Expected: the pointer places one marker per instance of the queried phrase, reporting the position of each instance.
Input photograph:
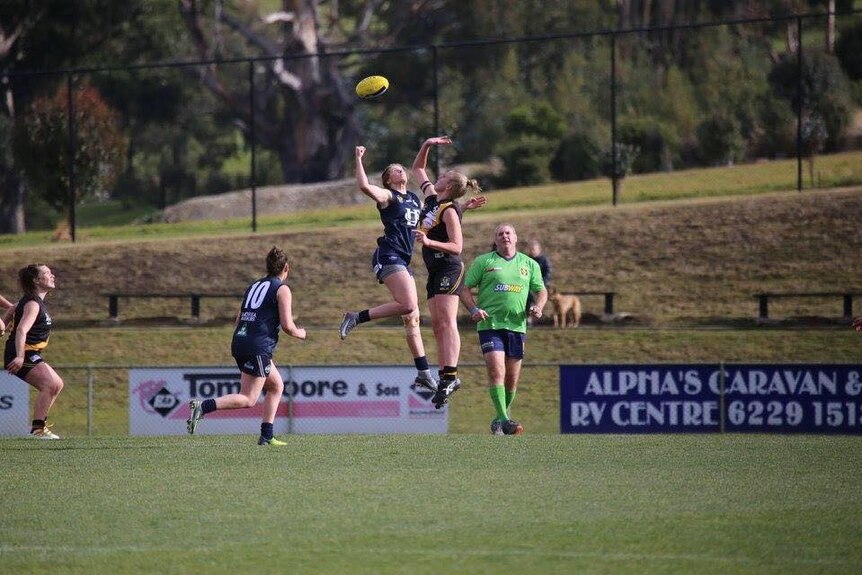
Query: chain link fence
(153, 400)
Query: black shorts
(447, 279)
(31, 360)
(256, 365)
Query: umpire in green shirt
(503, 279)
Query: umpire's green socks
(498, 398)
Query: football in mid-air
(372, 87)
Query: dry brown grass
(686, 262)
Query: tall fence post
(614, 182)
(722, 376)
(70, 163)
(289, 399)
(799, 89)
(89, 400)
(436, 65)
(251, 137)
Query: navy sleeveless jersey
(257, 330)
(434, 227)
(37, 337)
(399, 220)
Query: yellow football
(372, 87)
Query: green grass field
(432, 504)
(685, 253)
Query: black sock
(266, 430)
(363, 317)
(208, 406)
(37, 424)
(449, 372)
(421, 363)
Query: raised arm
(376, 193)
(421, 162)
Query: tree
(302, 108)
(41, 146)
(532, 134)
(825, 90)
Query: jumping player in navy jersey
(30, 327)
(267, 305)
(439, 232)
(399, 212)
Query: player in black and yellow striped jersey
(439, 232)
(30, 329)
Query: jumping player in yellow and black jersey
(439, 232)
(30, 328)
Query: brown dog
(564, 305)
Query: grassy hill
(684, 262)
(685, 269)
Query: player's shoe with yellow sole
(195, 415)
(271, 441)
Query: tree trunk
(830, 27)
(13, 193)
(317, 126)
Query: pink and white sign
(316, 399)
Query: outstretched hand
(439, 141)
(475, 202)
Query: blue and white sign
(637, 399)
(793, 398)
(699, 398)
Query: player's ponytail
(27, 278)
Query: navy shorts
(445, 280)
(509, 342)
(256, 365)
(384, 265)
(31, 360)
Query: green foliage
(577, 158)
(825, 90)
(532, 134)
(848, 49)
(720, 137)
(42, 146)
(657, 142)
(777, 120)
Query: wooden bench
(609, 298)
(195, 298)
(763, 300)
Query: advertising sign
(638, 399)
(14, 405)
(328, 399)
(697, 398)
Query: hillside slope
(686, 262)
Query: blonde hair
(459, 184)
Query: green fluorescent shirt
(503, 285)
